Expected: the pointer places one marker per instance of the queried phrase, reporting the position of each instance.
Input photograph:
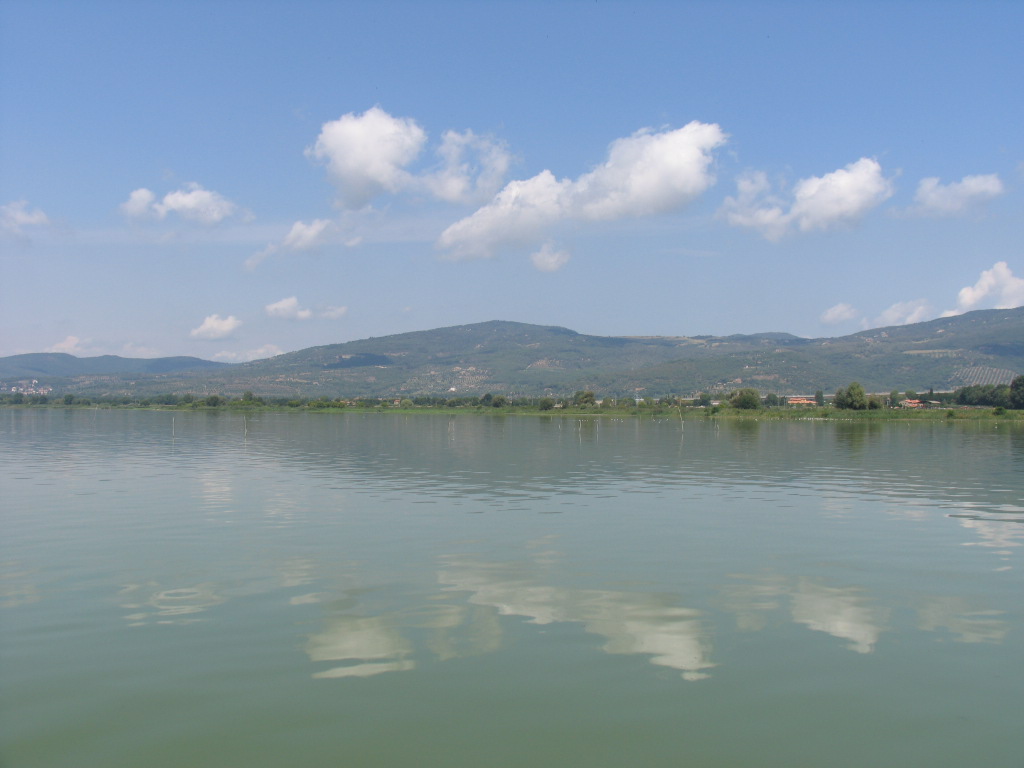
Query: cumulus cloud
(192, 202)
(647, 173)
(997, 288)
(216, 327)
(15, 217)
(473, 168)
(368, 154)
(756, 207)
(288, 309)
(140, 204)
(301, 237)
(840, 313)
(518, 214)
(547, 259)
(334, 313)
(904, 313)
(949, 199)
(267, 350)
(818, 202)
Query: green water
(203, 589)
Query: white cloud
(649, 173)
(216, 327)
(996, 288)
(472, 170)
(754, 206)
(304, 236)
(547, 259)
(840, 313)
(368, 154)
(72, 345)
(645, 174)
(334, 313)
(197, 204)
(301, 237)
(904, 313)
(288, 309)
(818, 202)
(517, 214)
(132, 349)
(267, 350)
(16, 216)
(139, 204)
(192, 202)
(843, 195)
(957, 196)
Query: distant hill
(980, 347)
(59, 364)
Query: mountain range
(981, 347)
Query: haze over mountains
(982, 347)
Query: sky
(232, 180)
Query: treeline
(852, 397)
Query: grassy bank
(826, 413)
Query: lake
(213, 589)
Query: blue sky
(235, 179)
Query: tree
(583, 398)
(819, 398)
(839, 400)
(546, 404)
(747, 399)
(852, 398)
(858, 399)
(771, 400)
(1017, 393)
(894, 398)
(499, 401)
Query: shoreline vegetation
(682, 413)
(1004, 402)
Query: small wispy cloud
(301, 237)
(334, 313)
(288, 309)
(936, 199)
(215, 327)
(843, 196)
(904, 313)
(71, 345)
(840, 313)
(192, 202)
(16, 217)
(261, 353)
(548, 259)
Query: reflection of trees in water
(853, 436)
(1017, 444)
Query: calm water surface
(208, 589)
